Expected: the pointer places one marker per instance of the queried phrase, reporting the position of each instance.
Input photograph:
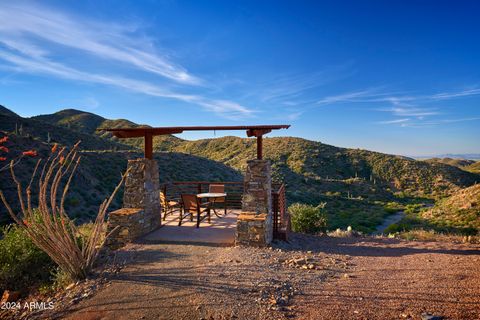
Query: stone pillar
(142, 191)
(257, 195)
(255, 225)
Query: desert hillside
(360, 187)
(475, 167)
(460, 163)
(295, 159)
(461, 210)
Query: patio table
(212, 196)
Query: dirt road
(310, 278)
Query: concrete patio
(220, 232)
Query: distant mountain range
(466, 165)
(466, 156)
(314, 172)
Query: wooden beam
(148, 145)
(260, 147)
(257, 132)
(140, 131)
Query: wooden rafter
(148, 133)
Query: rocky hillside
(41, 131)
(89, 123)
(475, 167)
(356, 184)
(103, 160)
(82, 121)
(100, 171)
(464, 164)
(305, 163)
(460, 163)
(459, 211)
(310, 165)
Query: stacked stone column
(254, 225)
(141, 212)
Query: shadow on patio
(220, 232)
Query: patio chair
(191, 205)
(169, 206)
(219, 188)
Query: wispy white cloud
(9, 77)
(410, 111)
(294, 87)
(288, 95)
(417, 123)
(226, 108)
(440, 121)
(22, 25)
(394, 121)
(354, 96)
(450, 95)
(294, 115)
(397, 99)
(28, 32)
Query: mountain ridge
(296, 159)
(356, 184)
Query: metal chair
(219, 188)
(191, 205)
(169, 206)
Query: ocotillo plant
(48, 225)
(4, 150)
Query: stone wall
(254, 225)
(254, 229)
(141, 212)
(129, 224)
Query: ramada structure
(263, 215)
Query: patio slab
(220, 232)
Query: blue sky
(399, 77)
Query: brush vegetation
(358, 186)
(456, 214)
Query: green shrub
(393, 207)
(308, 219)
(413, 208)
(22, 264)
(61, 279)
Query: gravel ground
(308, 278)
(395, 279)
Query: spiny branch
(48, 226)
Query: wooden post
(259, 147)
(148, 145)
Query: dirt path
(349, 278)
(391, 219)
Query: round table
(213, 196)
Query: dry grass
(432, 235)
